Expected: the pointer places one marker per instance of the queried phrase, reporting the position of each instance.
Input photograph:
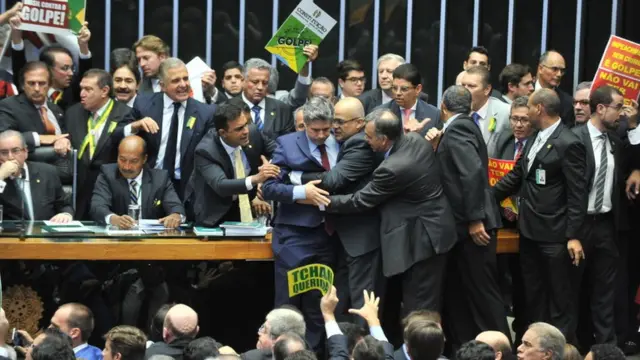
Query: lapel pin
(549, 146)
(249, 146)
(273, 113)
(38, 181)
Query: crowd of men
(390, 191)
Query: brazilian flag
(75, 14)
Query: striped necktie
(602, 175)
(133, 192)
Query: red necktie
(323, 156)
(519, 146)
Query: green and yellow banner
(310, 277)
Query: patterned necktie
(133, 192)
(476, 118)
(169, 162)
(55, 96)
(602, 174)
(48, 125)
(256, 116)
(243, 199)
(519, 146)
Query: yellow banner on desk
(310, 277)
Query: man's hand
(368, 311)
(209, 82)
(62, 218)
(27, 340)
(84, 35)
(122, 222)
(633, 185)
(328, 304)
(9, 168)
(316, 195)
(433, 136)
(259, 192)
(172, 221)
(413, 125)
(575, 251)
(631, 112)
(51, 139)
(260, 207)
(146, 124)
(311, 52)
(62, 146)
(478, 234)
(266, 172)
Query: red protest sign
(620, 68)
(498, 169)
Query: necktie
(133, 192)
(324, 157)
(56, 96)
(256, 116)
(243, 199)
(170, 151)
(28, 209)
(476, 118)
(48, 125)
(602, 174)
(519, 146)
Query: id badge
(541, 177)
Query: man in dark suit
(551, 69)
(550, 178)
(301, 233)
(272, 117)
(232, 81)
(172, 123)
(415, 114)
(92, 125)
(230, 164)
(131, 182)
(32, 189)
(417, 228)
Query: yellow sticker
(38, 181)
(157, 202)
(273, 113)
(549, 146)
(112, 126)
(310, 277)
(191, 122)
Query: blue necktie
(256, 116)
(476, 118)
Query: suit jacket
(257, 354)
(152, 106)
(338, 348)
(47, 196)
(111, 194)
(18, 113)
(417, 221)
(554, 211)
(567, 114)
(278, 117)
(356, 161)
(213, 182)
(423, 110)
(618, 197)
(371, 99)
(462, 154)
(146, 86)
(106, 150)
(501, 112)
(505, 146)
(175, 349)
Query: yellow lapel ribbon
(89, 139)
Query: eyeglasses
(341, 122)
(556, 69)
(518, 119)
(66, 68)
(402, 89)
(357, 79)
(581, 102)
(14, 152)
(617, 107)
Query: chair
(67, 168)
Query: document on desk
(57, 224)
(232, 228)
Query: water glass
(134, 212)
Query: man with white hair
(180, 327)
(542, 341)
(278, 322)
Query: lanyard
(89, 139)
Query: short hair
(346, 66)
(421, 315)
(256, 63)
(457, 99)
(281, 348)
(549, 99)
(302, 355)
(152, 43)
(475, 350)
(390, 56)
(201, 348)
(55, 346)
(317, 109)
(408, 72)
(285, 320)
(480, 50)
(120, 57)
(274, 80)
(386, 123)
(33, 66)
(80, 317)
(602, 95)
(520, 101)
(607, 352)
(103, 77)
(551, 339)
(128, 341)
(133, 69)
(225, 113)
(571, 353)
(353, 332)
(424, 339)
(231, 65)
(583, 85)
(322, 80)
(485, 75)
(47, 54)
(157, 323)
(168, 64)
(512, 74)
(545, 55)
(368, 349)
(11, 133)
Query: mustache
(123, 91)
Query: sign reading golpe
(59, 17)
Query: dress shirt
(507, 99)
(413, 112)
(540, 140)
(446, 124)
(155, 84)
(52, 118)
(634, 136)
(332, 147)
(483, 121)
(262, 104)
(332, 329)
(79, 347)
(386, 98)
(597, 144)
(538, 86)
(98, 131)
(138, 180)
(247, 169)
(133, 100)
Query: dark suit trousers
(474, 302)
(545, 271)
(595, 281)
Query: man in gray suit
(490, 114)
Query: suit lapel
(32, 113)
(253, 157)
(104, 134)
(224, 157)
(591, 162)
(187, 127)
(547, 146)
(147, 195)
(377, 98)
(270, 114)
(303, 144)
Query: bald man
(180, 327)
(499, 342)
(132, 182)
(359, 257)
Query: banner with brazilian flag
(59, 17)
(307, 25)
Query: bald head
(133, 143)
(348, 119)
(498, 341)
(132, 155)
(181, 322)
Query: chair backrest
(67, 168)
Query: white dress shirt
(97, 132)
(262, 104)
(247, 169)
(597, 144)
(449, 122)
(138, 180)
(539, 142)
(386, 98)
(155, 84)
(133, 100)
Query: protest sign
(53, 16)
(307, 25)
(310, 277)
(196, 68)
(497, 170)
(620, 68)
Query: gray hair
(317, 108)
(457, 99)
(274, 79)
(386, 123)
(545, 56)
(168, 64)
(549, 99)
(390, 56)
(285, 320)
(583, 85)
(551, 339)
(520, 101)
(12, 133)
(256, 63)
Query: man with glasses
(551, 70)
(351, 78)
(30, 191)
(581, 108)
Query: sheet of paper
(196, 67)
(70, 223)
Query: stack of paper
(233, 228)
(205, 231)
